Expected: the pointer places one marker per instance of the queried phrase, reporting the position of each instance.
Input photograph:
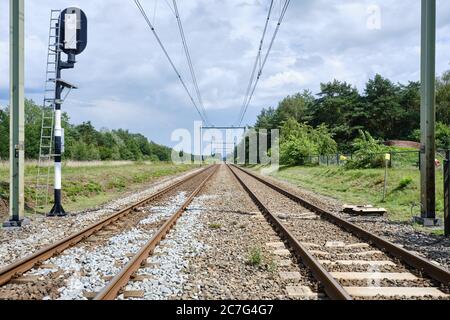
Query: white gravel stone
(42, 231)
(172, 256)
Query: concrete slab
(335, 244)
(366, 253)
(290, 275)
(300, 292)
(373, 276)
(284, 263)
(282, 252)
(391, 292)
(358, 246)
(276, 245)
(359, 262)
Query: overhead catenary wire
(277, 29)
(158, 39)
(189, 60)
(258, 59)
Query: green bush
(299, 141)
(255, 258)
(368, 152)
(405, 183)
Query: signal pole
(428, 114)
(17, 115)
(71, 40)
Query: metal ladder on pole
(48, 116)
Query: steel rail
(111, 291)
(436, 272)
(23, 265)
(332, 287)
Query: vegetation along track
(349, 262)
(117, 222)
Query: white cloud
(125, 80)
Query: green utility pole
(428, 114)
(17, 113)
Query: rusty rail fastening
(111, 291)
(23, 265)
(435, 272)
(332, 287)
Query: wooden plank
(25, 280)
(139, 294)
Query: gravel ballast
(43, 231)
(433, 247)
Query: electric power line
(258, 59)
(189, 60)
(158, 39)
(280, 20)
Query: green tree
(335, 108)
(267, 119)
(443, 135)
(4, 134)
(409, 98)
(443, 98)
(384, 112)
(296, 106)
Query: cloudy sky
(126, 82)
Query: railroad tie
(137, 294)
(290, 276)
(393, 292)
(301, 292)
(403, 276)
(359, 263)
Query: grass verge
(366, 187)
(92, 185)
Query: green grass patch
(365, 186)
(88, 186)
(215, 226)
(255, 257)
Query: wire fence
(398, 159)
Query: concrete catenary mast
(17, 114)
(428, 114)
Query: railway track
(111, 291)
(131, 214)
(348, 262)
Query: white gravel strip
(91, 266)
(18, 243)
(171, 258)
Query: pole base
(428, 222)
(16, 224)
(57, 211)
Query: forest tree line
(83, 142)
(387, 110)
(341, 119)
